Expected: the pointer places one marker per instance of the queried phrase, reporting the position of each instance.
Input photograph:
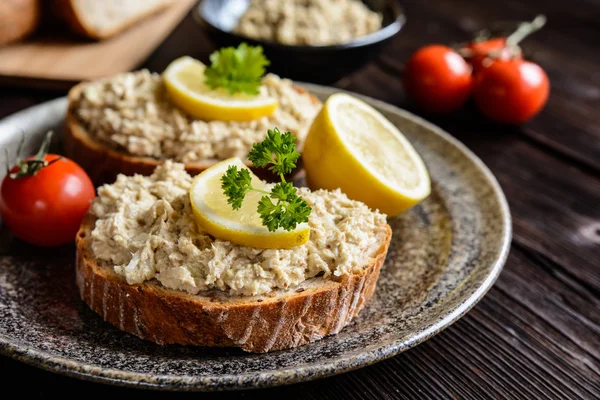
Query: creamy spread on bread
(132, 112)
(145, 229)
(308, 22)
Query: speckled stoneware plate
(445, 254)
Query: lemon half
(243, 226)
(184, 80)
(353, 147)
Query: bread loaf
(101, 19)
(18, 19)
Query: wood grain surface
(61, 58)
(536, 335)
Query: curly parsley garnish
(237, 70)
(281, 207)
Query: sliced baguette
(101, 19)
(317, 308)
(104, 163)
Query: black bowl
(319, 64)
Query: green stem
(45, 147)
(525, 29)
(35, 164)
(259, 190)
(7, 162)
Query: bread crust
(103, 163)
(18, 19)
(67, 12)
(213, 318)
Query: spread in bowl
(308, 22)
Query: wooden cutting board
(64, 61)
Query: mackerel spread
(132, 112)
(146, 230)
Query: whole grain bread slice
(287, 318)
(103, 163)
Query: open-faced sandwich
(193, 114)
(226, 259)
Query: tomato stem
(45, 147)
(33, 165)
(525, 29)
(511, 43)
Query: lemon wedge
(184, 80)
(353, 147)
(242, 226)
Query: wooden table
(537, 332)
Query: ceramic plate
(444, 255)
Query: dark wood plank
(187, 39)
(568, 124)
(548, 196)
(514, 345)
(536, 184)
(526, 339)
(16, 99)
(536, 335)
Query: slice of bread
(101, 19)
(317, 308)
(104, 163)
(18, 19)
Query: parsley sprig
(281, 207)
(237, 70)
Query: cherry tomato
(47, 208)
(482, 51)
(438, 79)
(512, 91)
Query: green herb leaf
(277, 149)
(237, 70)
(282, 207)
(269, 213)
(287, 212)
(235, 184)
(282, 215)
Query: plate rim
(64, 366)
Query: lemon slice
(242, 226)
(184, 80)
(353, 147)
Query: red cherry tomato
(512, 91)
(438, 79)
(47, 208)
(480, 51)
